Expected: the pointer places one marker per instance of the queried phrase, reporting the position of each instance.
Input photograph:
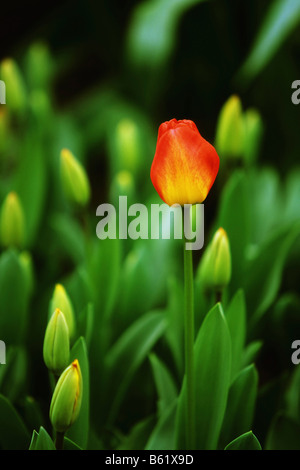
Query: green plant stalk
(189, 347)
(59, 440)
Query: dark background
(88, 37)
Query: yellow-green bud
(122, 185)
(230, 129)
(15, 88)
(12, 222)
(56, 349)
(74, 178)
(215, 268)
(66, 400)
(253, 134)
(128, 148)
(26, 263)
(62, 301)
(39, 66)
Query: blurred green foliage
(98, 79)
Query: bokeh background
(99, 78)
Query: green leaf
(13, 298)
(138, 435)
(32, 169)
(152, 31)
(104, 273)
(13, 377)
(41, 441)
(251, 352)
(175, 319)
(284, 434)
(69, 237)
(281, 19)
(247, 441)
(234, 217)
(13, 433)
(128, 353)
(70, 445)
(236, 320)
(265, 270)
(212, 365)
(166, 388)
(79, 431)
(163, 435)
(240, 405)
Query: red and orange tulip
(185, 165)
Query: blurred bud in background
(122, 185)
(253, 135)
(3, 129)
(74, 179)
(230, 129)
(56, 348)
(128, 145)
(215, 265)
(60, 300)
(26, 264)
(15, 87)
(67, 397)
(12, 222)
(38, 66)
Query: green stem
(189, 346)
(59, 440)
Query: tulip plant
(128, 344)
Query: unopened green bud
(4, 130)
(56, 349)
(66, 399)
(230, 129)
(128, 147)
(74, 178)
(62, 301)
(15, 88)
(122, 185)
(39, 66)
(215, 268)
(26, 264)
(12, 222)
(253, 135)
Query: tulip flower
(12, 222)
(185, 165)
(66, 400)
(61, 300)
(56, 348)
(230, 129)
(15, 87)
(215, 268)
(74, 178)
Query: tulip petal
(185, 165)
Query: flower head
(185, 165)
(56, 348)
(67, 396)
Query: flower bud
(74, 178)
(56, 349)
(230, 129)
(15, 88)
(127, 145)
(26, 264)
(215, 267)
(12, 222)
(66, 400)
(60, 300)
(253, 134)
(122, 185)
(39, 66)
